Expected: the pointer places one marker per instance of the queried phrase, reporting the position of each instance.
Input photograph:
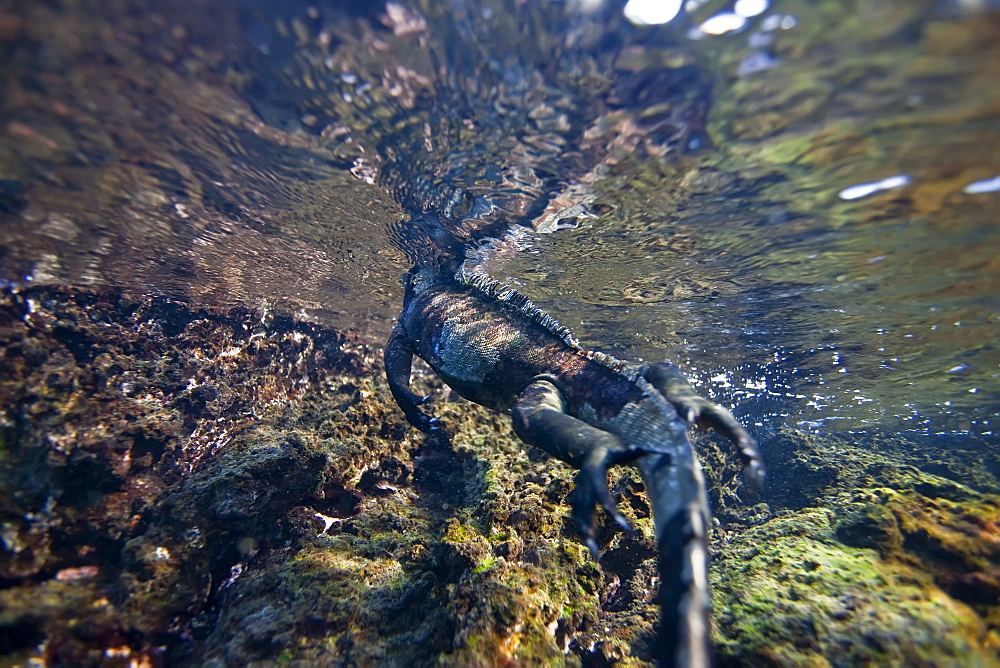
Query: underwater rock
(228, 486)
(789, 593)
(869, 560)
(224, 487)
(156, 447)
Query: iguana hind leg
(540, 419)
(671, 383)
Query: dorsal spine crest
(493, 289)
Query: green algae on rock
(788, 593)
(249, 493)
(868, 560)
(151, 449)
(241, 489)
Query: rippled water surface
(802, 211)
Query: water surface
(260, 160)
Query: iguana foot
(540, 419)
(592, 489)
(426, 423)
(696, 409)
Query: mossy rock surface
(789, 593)
(278, 509)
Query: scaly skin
(493, 347)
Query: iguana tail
(680, 514)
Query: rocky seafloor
(225, 487)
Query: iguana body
(493, 346)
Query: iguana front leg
(398, 364)
(671, 383)
(540, 419)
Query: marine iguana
(493, 346)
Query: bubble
(748, 8)
(651, 12)
(723, 23)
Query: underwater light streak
(980, 187)
(866, 189)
